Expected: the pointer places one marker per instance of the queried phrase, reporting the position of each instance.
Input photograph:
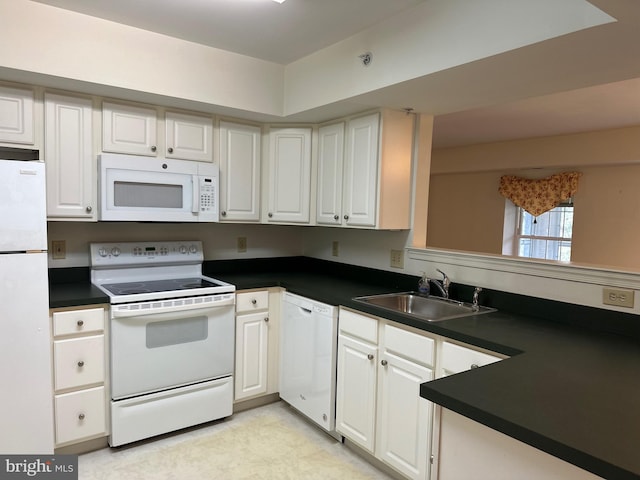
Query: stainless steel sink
(430, 309)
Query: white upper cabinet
(134, 130)
(366, 184)
(129, 129)
(361, 171)
(289, 176)
(189, 137)
(239, 172)
(17, 115)
(330, 165)
(70, 162)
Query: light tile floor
(270, 442)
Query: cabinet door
(289, 175)
(404, 418)
(361, 171)
(80, 415)
(456, 359)
(189, 137)
(71, 165)
(239, 172)
(78, 362)
(129, 129)
(16, 115)
(252, 332)
(330, 164)
(356, 391)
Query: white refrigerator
(26, 405)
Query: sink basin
(430, 309)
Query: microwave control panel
(207, 194)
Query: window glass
(547, 236)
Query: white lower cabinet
(470, 450)
(79, 371)
(456, 359)
(378, 403)
(356, 390)
(80, 415)
(256, 344)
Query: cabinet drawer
(251, 301)
(78, 361)
(358, 325)
(80, 415)
(456, 359)
(409, 345)
(78, 321)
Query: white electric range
(171, 337)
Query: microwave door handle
(195, 194)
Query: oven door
(165, 347)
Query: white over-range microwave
(146, 189)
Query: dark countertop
(571, 392)
(76, 293)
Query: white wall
(434, 36)
(367, 248)
(59, 43)
(219, 239)
(54, 44)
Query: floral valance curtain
(537, 196)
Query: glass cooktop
(151, 286)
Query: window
(548, 236)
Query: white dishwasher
(308, 345)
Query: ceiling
(280, 33)
(283, 33)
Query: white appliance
(145, 189)
(172, 336)
(308, 346)
(26, 406)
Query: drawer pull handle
(266, 319)
(81, 416)
(81, 363)
(474, 365)
(80, 323)
(383, 363)
(370, 356)
(253, 301)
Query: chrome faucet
(443, 285)
(476, 306)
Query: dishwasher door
(308, 345)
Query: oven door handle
(125, 311)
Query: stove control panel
(145, 253)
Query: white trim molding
(579, 284)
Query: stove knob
(115, 251)
(102, 252)
(183, 249)
(193, 249)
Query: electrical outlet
(397, 259)
(618, 297)
(58, 249)
(335, 249)
(242, 244)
